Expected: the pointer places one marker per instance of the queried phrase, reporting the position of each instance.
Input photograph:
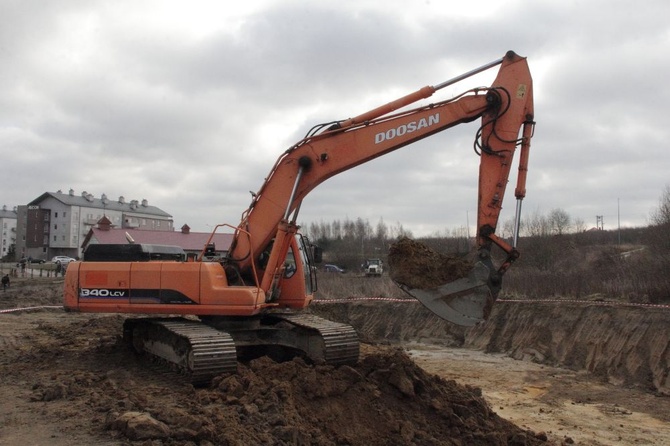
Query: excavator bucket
(465, 301)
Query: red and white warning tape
(13, 310)
(355, 299)
(521, 301)
(604, 303)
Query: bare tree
(578, 225)
(337, 229)
(535, 225)
(362, 229)
(506, 230)
(381, 232)
(661, 215)
(398, 231)
(559, 221)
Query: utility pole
(618, 217)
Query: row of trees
(346, 240)
(358, 229)
(555, 222)
(560, 257)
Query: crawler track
(203, 350)
(340, 341)
(189, 347)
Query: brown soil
(67, 379)
(417, 266)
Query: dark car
(36, 261)
(333, 269)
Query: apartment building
(56, 223)
(8, 221)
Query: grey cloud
(183, 119)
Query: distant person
(5, 282)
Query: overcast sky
(189, 104)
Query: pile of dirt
(385, 399)
(75, 372)
(82, 371)
(415, 265)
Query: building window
(56, 226)
(64, 214)
(55, 238)
(55, 214)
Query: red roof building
(190, 242)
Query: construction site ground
(536, 373)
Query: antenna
(599, 222)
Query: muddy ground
(67, 379)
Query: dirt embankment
(626, 345)
(392, 322)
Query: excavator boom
(505, 109)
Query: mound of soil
(386, 399)
(415, 265)
(74, 374)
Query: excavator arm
(267, 227)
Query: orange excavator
(248, 303)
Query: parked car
(332, 269)
(36, 261)
(62, 260)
